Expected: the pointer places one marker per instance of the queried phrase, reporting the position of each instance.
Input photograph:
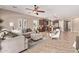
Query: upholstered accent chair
(55, 35)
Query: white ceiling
(51, 10)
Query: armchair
(56, 34)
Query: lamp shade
(11, 24)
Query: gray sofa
(14, 44)
(36, 36)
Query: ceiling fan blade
(41, 11)
(28, 9)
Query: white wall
(9, 16)
(75, 25)
(61, 25)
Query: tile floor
(47, 45)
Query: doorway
(43, 25)
(66, 26)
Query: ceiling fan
(35, 10)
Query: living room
(35, 28)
